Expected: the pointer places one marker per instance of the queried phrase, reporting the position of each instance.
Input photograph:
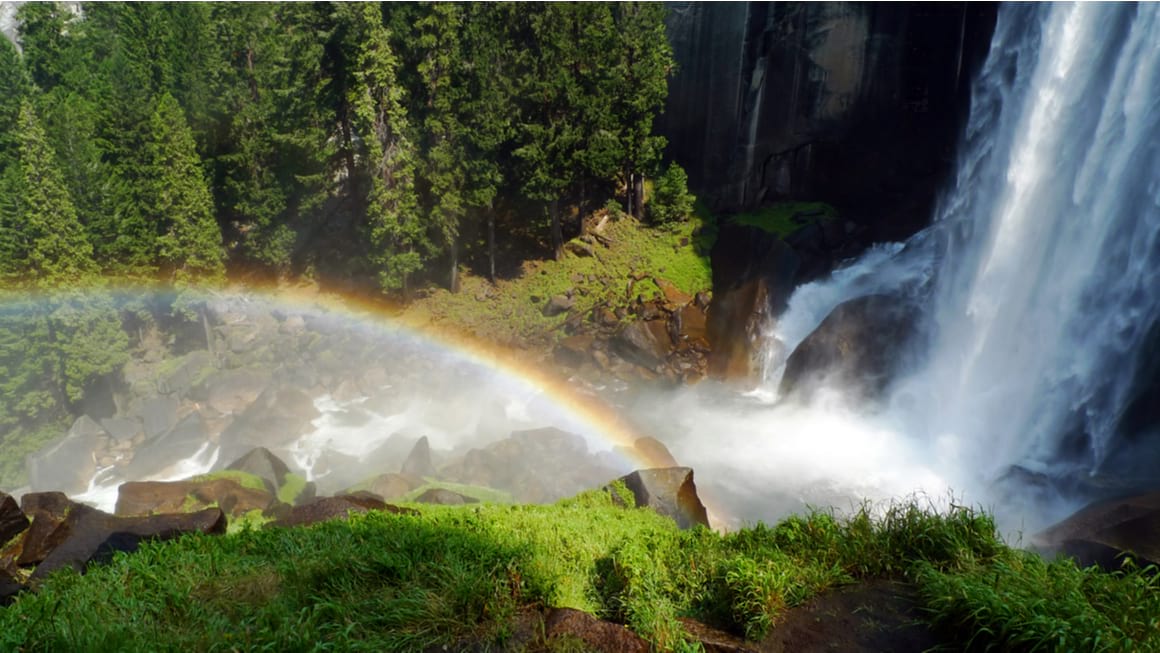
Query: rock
(68, 464)
(50, 527)
(265, 465)
(1101, 532)
(276, 418)
(597, 635)
(94, 536)
(12, 520)
(558, 304)
(159, 415)
(122, 429)
(10, 586)
(328, 508)
(161, 452)
(442, 497)
(691, 327)
(859, 345)
(186, 372)
(669, 491)
(153, 497)
(579, 248)
(654, 451)
(232, 391)
(673, 296)
(715, 641)
(391, 486)
(644, 343)
(418, 462)
(54, 503)
(574, 350)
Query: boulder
(94, 536)
(690, 325)
(265, 465)
(276, 418)
(644, 343)
(596, 634)
(49, 528)
(153, 497)
(859, 346)
(10, 586)
(442, 497)
(68, 464)
(123, 429)
(54, 503)
(160, 453)
(575, 350)
(654, 452)
(158, 415)
(12, 519)
(391, 486)
(1100, 533)
(716, 641)
(669, 491)
(232, 391)
(558, 304)
(418, 462)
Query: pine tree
(177, 200)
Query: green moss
(244, 479)
(292, 486)
(251, 520)
(778, 219)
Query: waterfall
(1039, 280)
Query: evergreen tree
(177, 200)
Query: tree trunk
(557, 230)
(491, 245)
(628, 191)
(638, 195)
(454, 265)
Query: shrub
(671, 200)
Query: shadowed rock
(669, 491)
(265, 465)
(1100, 533)
(10, 586)
(94, 536)
(597, 635)
(67, 464)
(442, 497)
(418, 462)
(654, 451)
(12, 520)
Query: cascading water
(1039, 280)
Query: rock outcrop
(1103, 532)
(670, 492)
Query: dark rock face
(418, 462)
(858, 104)
(597, 635)
(12, 519)
(94, 536)
(1101, 532)
(669, 491)
(859, 346)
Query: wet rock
(261, 462)
(859, 346)
(232, 391)
(94, 536)
(575, 350)
(10, 586)
(669, 491)
(276, 418)
(1100, 533)
(558, 304)
(68, 463)
(673, 296)
(597, 635)
(122, 429)
(418, 462)
(12, 519)
(51, 525)
(442, 497)
(654, 451)
(158, 454)
(54, 503)
(691, 327)
(159, 415)
(644, 343)
(153, 497)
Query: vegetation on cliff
(461, 576)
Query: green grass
(511, 311)
(244, 479)
(292, 486)
(455, 574)
(778, 219)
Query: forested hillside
(387, 143)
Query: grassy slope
(510, 312)
(396, 582)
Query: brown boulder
(154, 497)
(575, 350)
(261, 462)
(50, 514)
(655, 452)
(442, 497)
(418, 462)
(690, 326)
(10, 586)
(328, 508)
(859, 345)
(94, 536)
(1100, 533)
(669, 491)
(12, 520)
(597, 635)
(715, 641)
(674, 296)
(391, 486)
(644, 343)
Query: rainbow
(579, 413)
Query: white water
(1045, 261)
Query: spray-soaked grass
(451, 575)
(779, 219)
